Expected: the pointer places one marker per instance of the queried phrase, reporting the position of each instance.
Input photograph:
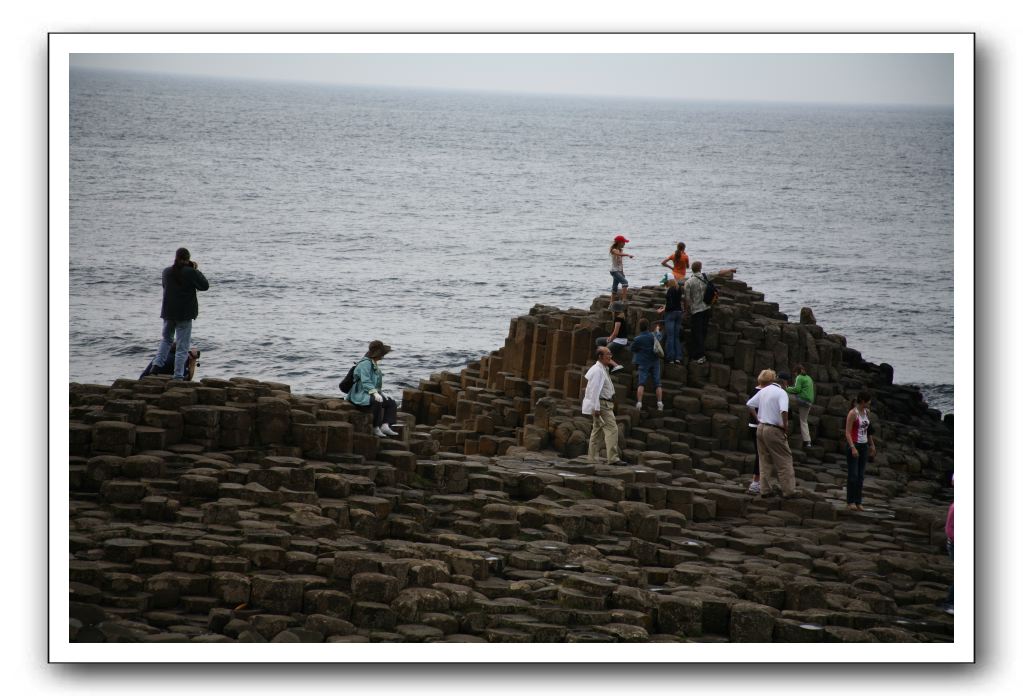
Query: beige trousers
(604, 428)
(775, 460)
(804, 424)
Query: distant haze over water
(325, 217)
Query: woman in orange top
(679, 262)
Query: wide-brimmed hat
(377, 350)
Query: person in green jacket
(803, 391)
(367, 393)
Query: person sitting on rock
(619, 336)
(366, 393)
(648, 363)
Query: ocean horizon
(327, 216)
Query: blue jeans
(646, 370)
(673, 327)
(618, 278)
(951, 585)
(856, 462)
(181, 330)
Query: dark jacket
(643, 347)
(179, 300)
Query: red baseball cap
(620, 238)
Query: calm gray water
(325, 217)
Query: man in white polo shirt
(598, 402)
(770, 405)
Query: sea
(327, 216)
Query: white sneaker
(379, 433)
(660, 405)
(754, 488)
(617, 368)
(387, 429)
(639, 405)
(701, 361)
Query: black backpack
(345, 384)
(710, 292)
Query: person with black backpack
(365, 391)
(700, 296)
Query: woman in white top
(859, 443)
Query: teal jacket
(366, 380)
(803, 388)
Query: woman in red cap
(617, 269)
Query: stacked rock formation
(232, 510)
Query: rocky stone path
(211, 543)
(233, 510)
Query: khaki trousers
(604, 428)
(804, 424)
(775, 460)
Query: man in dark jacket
(180, 306)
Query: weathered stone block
(113, 437)
(273, 418)
(679, 616)
(232, 589)
(373, 615)
(751, 623)
(263, 556)
(277, 593)
(374, 587)
(329, 602)
(120, 491)
(329, 625)
(412, 603)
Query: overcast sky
(857, 78)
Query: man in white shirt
(770, 405)
(597, 402)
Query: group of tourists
(769, 405)
(661, 342)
